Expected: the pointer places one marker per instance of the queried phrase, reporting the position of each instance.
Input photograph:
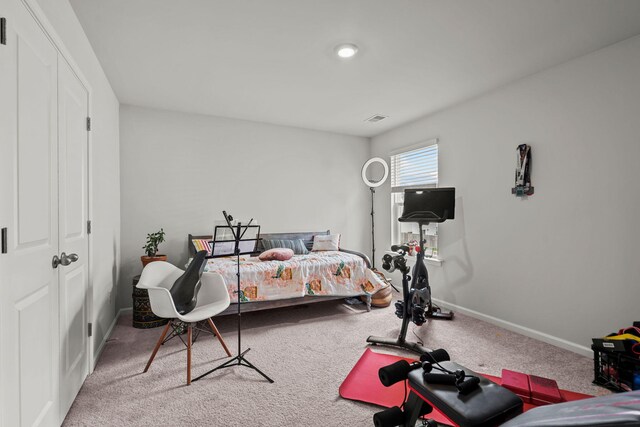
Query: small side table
(143, 317)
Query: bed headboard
(306, 237)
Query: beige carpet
(308, 351)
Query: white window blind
(415, 168)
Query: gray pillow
(297, 245)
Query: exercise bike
(422, 206)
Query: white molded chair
(213, 298)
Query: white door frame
(34, 8)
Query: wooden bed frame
(307, 238)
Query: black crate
(614, 369)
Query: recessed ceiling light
(346, 50)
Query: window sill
(434, 260)
(429, 260)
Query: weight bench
(487, 405)
(490, 405)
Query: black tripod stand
(238, 360)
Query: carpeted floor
(308, 351)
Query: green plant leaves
(153, 240)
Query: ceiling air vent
(376, 118)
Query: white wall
(179, 171)
(104, 173)
(563, 262)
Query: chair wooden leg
(189, 337)
(217, 333)
(158, 344)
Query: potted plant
(151, 248)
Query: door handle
(68, 259)
(64, 259)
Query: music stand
(228, 240)
(224, 241)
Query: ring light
(374, 184)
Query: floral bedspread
(318, 274)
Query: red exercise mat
(362, 384)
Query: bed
(304, 279)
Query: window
(411, 169)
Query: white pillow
(326, 242)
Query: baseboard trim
(532, 333)
(107, 335)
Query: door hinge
(88, 227)
(88, 123)
(3, 31)
(90, 329)
(3, 246)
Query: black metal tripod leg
(257, 370)
(224, 365)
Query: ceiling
(273, 61)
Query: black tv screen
(428, 204)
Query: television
(424, 205)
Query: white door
(29, 295)
(6, 86)
(73, 278)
